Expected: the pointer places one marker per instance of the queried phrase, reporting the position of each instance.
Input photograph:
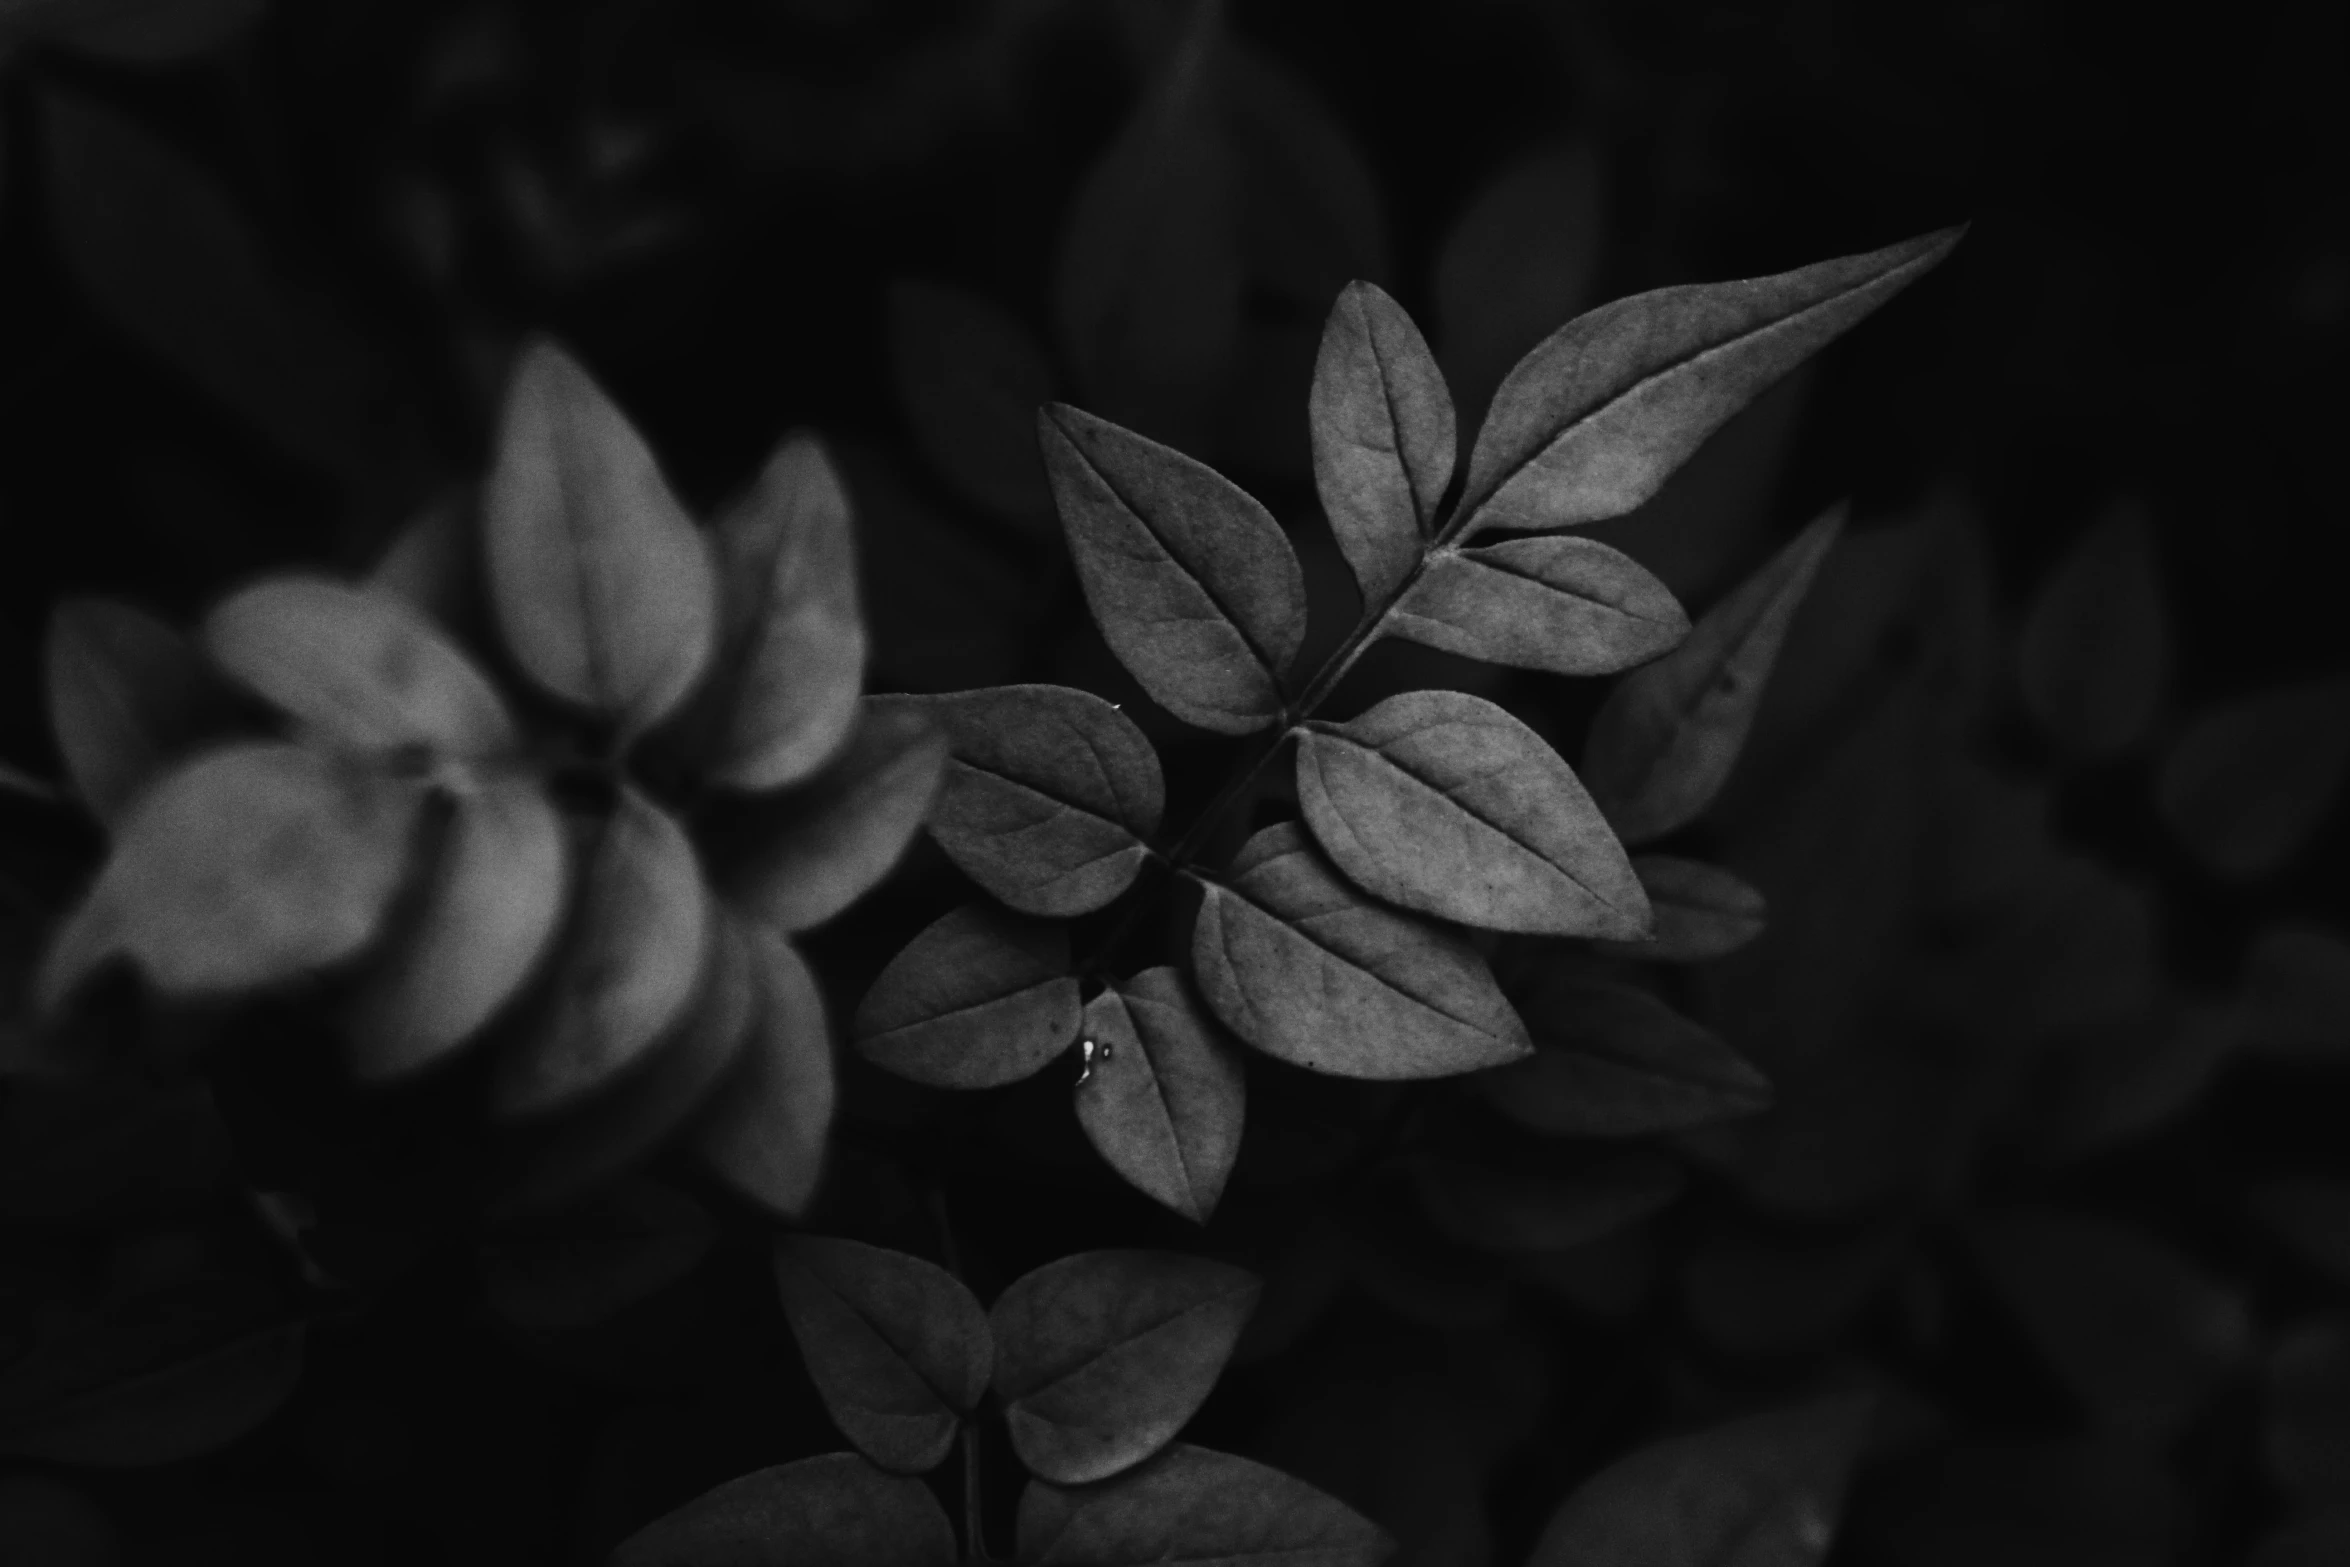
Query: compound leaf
(127, 696)
(979, 999)
(971, 379)
(1498, 1210)
(1568, 606)
(1162, 1099)
(1702, 911)
(597, 1259)
(1383, 437)
(765, 1129)
(1614, 1061)
(2093, 653)
(2248, 783)
(1190, 1504)
(833, 1511)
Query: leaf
(833, 1511)
(1303, 967)
(781, 698)
(1761, 1491)
(603, 587)
(2094, 651)
(1193, 583)
(2313, 1219)
(1102, 1357)
(2297, 984)
(1442, 802)
(632, 962)
(808, 854)
(897, 1346)
(360, 669)
(971, 379)
(192, 1405)
(1613, 1061)
(1517, 262)
(2042, 1503)
(127, 697)
(594, 1261)
(1309, 204)
(979, 999)
(1596, 416)
(1383, 438)
(140, 32)
(247, 866)
(490, 915)
(1758, 1296)
(1664, 742)
(1567, 606)
(1050, 794)
(948, 610)
(1702, 911)
(1190, 1504)
(1162, 1099)
(767, 1126)
(104, 1147)
(2247, 784)
(1496, 1210)
(2307, 1426)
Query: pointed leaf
(1702, 911)
(1191, 1504)
(194, 1404)
(631, 964)
(971, 379)
(2095, 647)
(597, 1259)
(1496, 1210)
(833, 1511)
(1383, 438)
(2249, 783)
(897, 1346)
(1663, 744)
(1102, 1357)
(1049, 795)
(1567, 606)
(1193, 583)
(1613, 1061)
(977, 1000)
(603, 587)
(768, 1125)
(127, 696)
(1302, 966)
(490, 915)
(1596, 416)
(808, 854)
(363, 670)
(1162, 1099)
(1517, 263)
(1442, 802)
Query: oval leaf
(977, 1000)
(602, 584)
(1190, 1504)
(971, 379)
(1518, 262)
(1664, 742)
(363, 670)
(1102, 1357)
(897, 1346)
(631, 964)
(1302, 966)
(1567, 606)
(595, 1260)
(1597, 415)
(2095, 646)
(1193, 583)
(1702, 911)
(1612, 1061)
(2249, 783)
(1383, 438)
(1496, 1210)
(1162, 1099)
(768, 1124)
(833, 1511)
(1049, 794)
(1442, 802)
(127, 696)
(188, 1407)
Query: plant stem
(974, 1523)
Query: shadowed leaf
(1516, 263)
(2297, 984)
(127, 697)
(2248, 784)
(977, 1000)
(1162, 1099)
(971, 379)
(2313, 1218)
(1193, 1505)
(834, 1511)
(1614, 1061)
(1496, 1210)
(1383, 438)
(1309, 206)
(103, 1147)
(597, 1259)
(138, 32)
(1702, 911)
(162, 1414)
(766, 1127)
(2306, 1412)
(2094, 649)
(1568, 606)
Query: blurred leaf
(1496, 1210)
(2067, 1503)
(2138, 1333)
(247, 866)
(434, 562)
(2306, 1430)
(1663, 744)
(1569, 606)
(766, 1127)
(1614, 1061)
(2094, 650)
(1163, 1099)
(2297, 986)
(781, 697)
(107, 1147)
(2317, 1541)
(1190, 1504)
(2313, 1218)
(1383, 438)
(1050, 794)
(137, 32)
(596, 1259)
(1762, 1491)
(971, 379)
(1309, 215)
(833, 1511)
(362, 670)
(45, 1522)
(630, 965)
(1192, 582)
(604, 588)
(896, 1345)
(2248, 784)
(1442, 802)
(1517, 263)
(1303, 967)
(1589, 424)
(977, 1000)
(1423, 1278)
(1102, 1357)
(490, 915)
(810, 853)
(1753, 1296)
(1702, 911)
(1991, 845)
(127, 697)
(2125, 1079)
(947, 612)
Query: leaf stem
(974, 1530)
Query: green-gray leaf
(1702, 911)
(1383, 437)
(1162, 1099)
(127, 696)
(1568, 606)
(766, 1127)
(979, 999)
(1193, 1505)
(1613, 1061)
(1497, 1210)
(833, 1511)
